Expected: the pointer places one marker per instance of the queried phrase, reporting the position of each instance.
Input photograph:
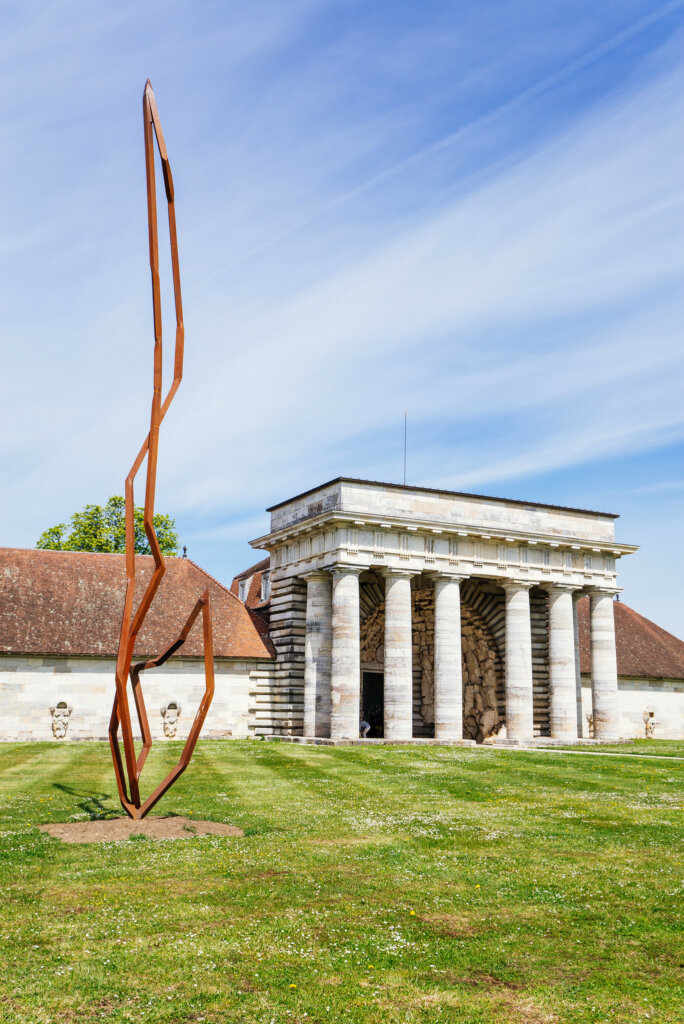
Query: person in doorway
(364, 729)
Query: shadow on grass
(96, 805)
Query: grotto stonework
(483, 695)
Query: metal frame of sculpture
(129, 768)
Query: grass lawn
(661, 748)
(372, 885)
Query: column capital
(603, 591)
(342, 569)
(315, 574)
(560, 587)
(511, 584)
(443, 574)
(390, 573)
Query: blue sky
(470, 210)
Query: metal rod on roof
(404, 447)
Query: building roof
(440, 490)
(254, 575)
(71, 603)
(644, 650)
(258, 567)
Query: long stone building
(429, 614)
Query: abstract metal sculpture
(128, 770)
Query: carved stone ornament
(61, 713)
(649, 723)
(170, 713)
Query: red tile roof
(644, 650)
(71, 602)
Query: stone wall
(665, 697)
(30, 686)
(277, 705)
(483, 620)
(482, 667)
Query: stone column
(448, 692)
(317, 654)
(562, 678)
(604, 682)
(519, 698)
(578, 670)
(345, 674)
(398, 656)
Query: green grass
(387, 884)
(667, 748)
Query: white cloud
(521, 297)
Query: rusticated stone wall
(483, 694)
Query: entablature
(380, 541)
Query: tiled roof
(71, 602)
(644, 650)
(254, 575)
(257, 567)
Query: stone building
(434, 613)
(429, 613)
(60, 617)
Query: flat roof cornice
(441, 490)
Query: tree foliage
(103, 528)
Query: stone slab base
(546, 741)
(324, 741)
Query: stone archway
(482, 668)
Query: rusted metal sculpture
(129, 768)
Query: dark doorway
(373, 703)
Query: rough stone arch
(483, 693)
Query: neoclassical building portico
(441, 614)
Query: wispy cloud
(475, 216)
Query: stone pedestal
(345, 675)
(604, 681)
(519, 697)
(317, 654)
(562, 678)
(398, 656)
(448, 671)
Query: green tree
(103, 528)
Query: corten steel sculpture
(129, 768)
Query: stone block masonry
(31, 685)
(279, 708)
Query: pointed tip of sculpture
(148, 87)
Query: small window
(524, 555)
(404, 543)
(265, 586)
(453, 548)
(568, 560)
(479, 550)
(609, 563)
(502, 552)
(429, 545)
(587, 562)
(546, 557)
(243, 590)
